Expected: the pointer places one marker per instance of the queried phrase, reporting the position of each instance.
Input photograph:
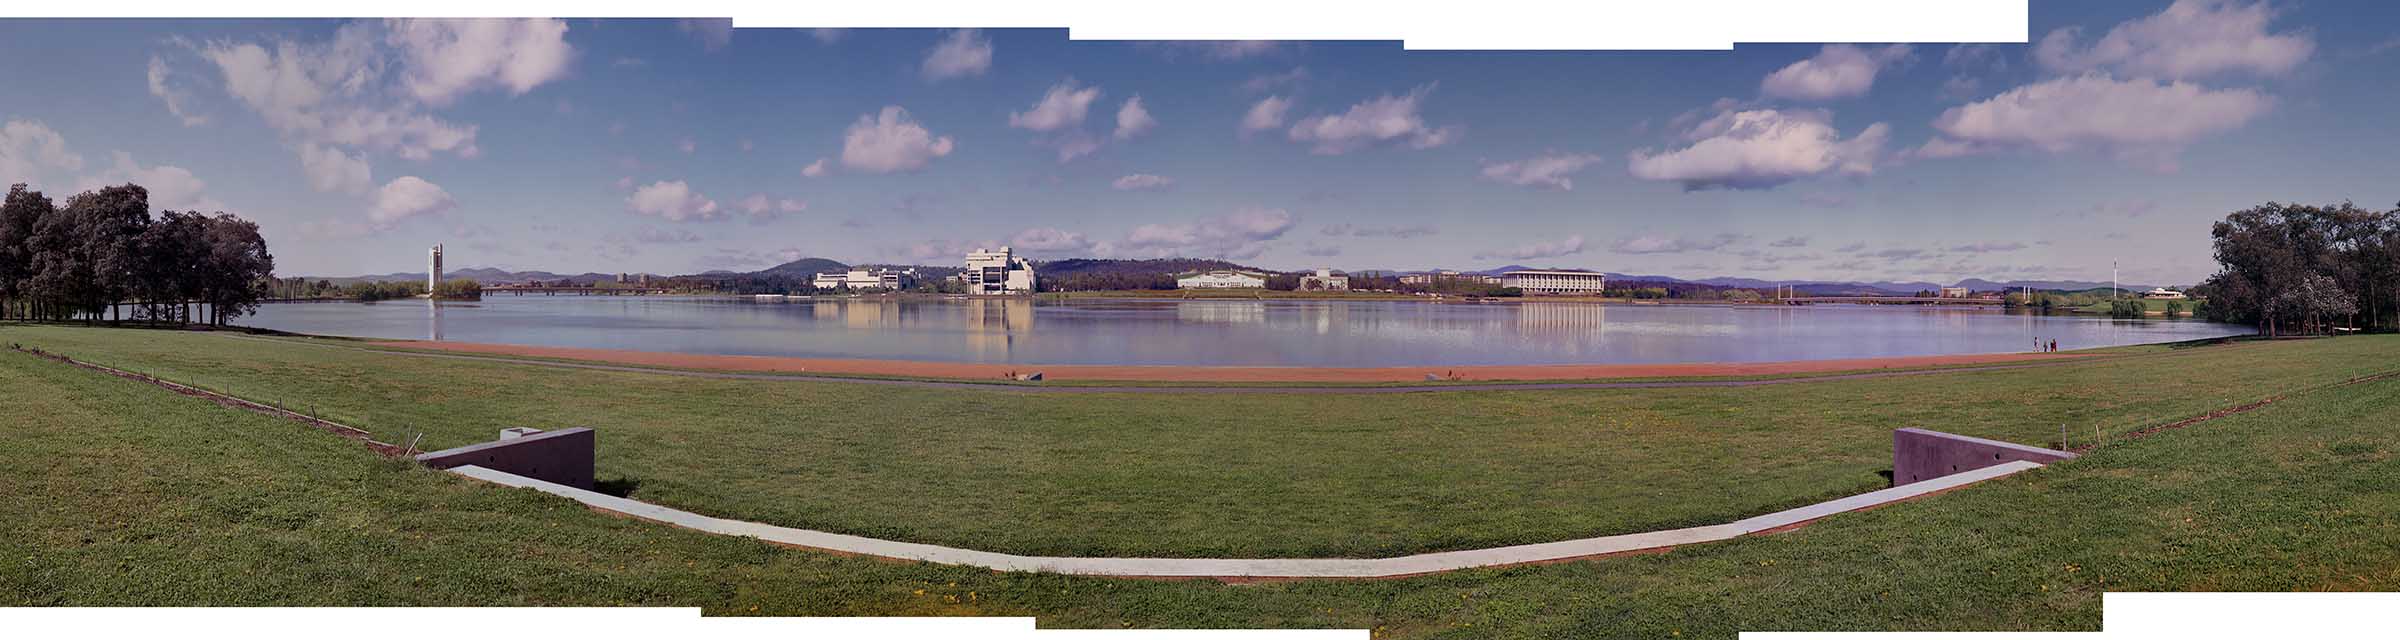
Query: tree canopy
(104, 249)
(2305, 266)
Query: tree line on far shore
(2290, 267)
(103, 254)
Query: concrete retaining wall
(562, 457)
(1919, 455)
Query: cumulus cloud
(30, 149)
(1546, 171)
(1133, 119)
(1062, 107)
(1653, 243)
(1760, 149)
(890, 141)
(764, 209)
(2190, 39)
(447, 58)
(408, 197)
(1567, 246)
(1837, 71)
(1266, 114)
(673, 201)
(814, 169)
(1384, 118)
(1142, 182)
(330, 169)
(1050, 241)
(964, 52)
(1239, 235)
(163, 85)
(170, 187)
(2143, 121)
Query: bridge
(1887, 300)
(572, 291)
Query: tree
(84, 254)
(171, 270)
(2312, 301)
(236, 267)
(19, 215)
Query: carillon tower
(433, 275)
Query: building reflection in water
(1225, 311)
(993, 325)
(1561, 317)
(433, 320)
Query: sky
(2116, 135)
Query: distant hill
(802, 268)
(1113, 267)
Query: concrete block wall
(564, 456)
(1919, 455)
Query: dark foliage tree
(103, 252)
(2283, 264)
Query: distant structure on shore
(1445, 276)
(2163, 293)
(991, 273)
(1324, 280)
(433, 272)
(863, 279)
(1220, 279)
(1555, 281)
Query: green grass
(1266, 475)
(120, 493)
(2148, 305)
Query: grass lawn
(1269, 475)
(120, 493)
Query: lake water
(1226, 332)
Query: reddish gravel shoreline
(1136, 373)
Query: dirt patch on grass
(363, 437)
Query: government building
(1555, 282)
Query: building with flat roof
(1001, 272)
(1555, 282)
(1954, 292)
(1324, 280)
(1221, 279)
(864, 279)
(2163, 293)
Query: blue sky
(667, 146)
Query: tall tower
(433, 275)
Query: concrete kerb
(1250, 568)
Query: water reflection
(1227, 332)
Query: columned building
(1555, 281)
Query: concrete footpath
(1250, 568)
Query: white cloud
(1759, 149)
(673, 201)
(1384, 118)
(1271, 81)
(1549, 170)
(30, 149)
(408, 197)
(965, 52)
(1240, 235)
(713, 33)
(2136, 120)
(814, 169)
(890, 141)
(447, 58)
(1653, 243)
(330, 169)
(162, 84)
(1409, 231)
(1567, 246)
(828, 36)
(1142, 182)
(1050, 241)
(170, 187)
(1837, 71)
(1266, 114)
(2190, 39)
(1065, 105)
(763, 209)
(1133, 119)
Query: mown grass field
(120, 493)
(1269, 475)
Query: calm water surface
(1226, 332)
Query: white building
(1954, 292)
(1555, 281)
(997, 273)
(433, 272)
(2163, 293)
(1324, 280)
(1221, 279)
(862, 279)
